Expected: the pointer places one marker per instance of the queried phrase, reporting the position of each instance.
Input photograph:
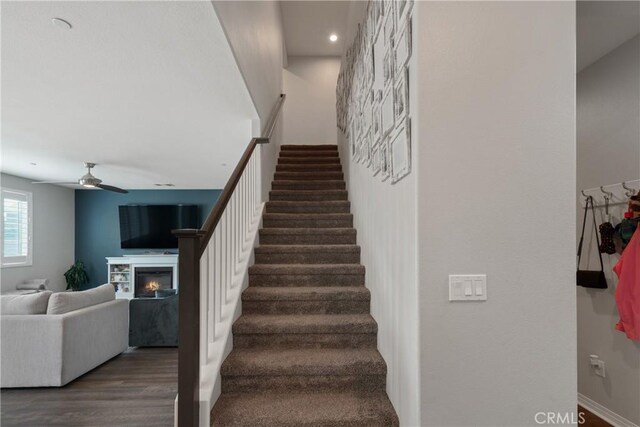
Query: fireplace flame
(152, 286)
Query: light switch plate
(467, 287)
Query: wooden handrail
(191, 245)
(212, 220)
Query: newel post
(188, 327)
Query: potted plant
(76, 276)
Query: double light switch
(467, 287)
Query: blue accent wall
(97, 231)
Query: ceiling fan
(88, 181)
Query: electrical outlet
(597, 365)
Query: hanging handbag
(590, 278)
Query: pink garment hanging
(628, 290)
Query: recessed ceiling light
(333, 38)
(61, 23)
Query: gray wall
(310, 110)
(496, 195)
(608, 130)
(53, 234)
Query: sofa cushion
(64, 302)
(25, 304)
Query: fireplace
(150, 279)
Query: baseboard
(604, 413)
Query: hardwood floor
(137, 388)
(592, 420)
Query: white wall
(495, 183)
(53, 234)
(608, 131)
(386, 222)
(254, 31)
(385, 219)
(310, 110)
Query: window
(17, 247)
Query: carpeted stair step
(309, 176)
(309, 153)
(280, 275)
(307, 195)
(308, 167)
(328, 147)
(307, 409)
(307, 236)
(280, 220)
(308, 185)
(308, 160)
(326, 206)
(307, 254)
(283, 331)
(306, 300)
(303, 369)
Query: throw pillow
(25, 304)
(64, 302)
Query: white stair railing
(212, 268)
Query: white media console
(122, 271)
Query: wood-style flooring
(592, 420)
(137, 388)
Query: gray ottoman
(153, 322)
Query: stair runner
(304, 350)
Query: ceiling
(308, 25)
(603, 26)
(148, 90)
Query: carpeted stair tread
(308, 236)
(308, 195)
(316, 231)
(326, 206)
(304, 409)
(309, 167)
(327, 184)
(285, 362)
(307, 269)
(307, 254)
(325, 293)
(309, 175)
(311, 147)
(305, 324)
(322, 220)
(311, 160)
(307, 249)
(308, 153)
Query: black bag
(589, 278)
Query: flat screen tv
(149, 226)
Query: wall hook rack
(629, 191)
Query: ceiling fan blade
(56, 182)
(111, 188)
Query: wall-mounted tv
(149, 226)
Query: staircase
(304, 350)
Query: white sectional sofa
(48, 340)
